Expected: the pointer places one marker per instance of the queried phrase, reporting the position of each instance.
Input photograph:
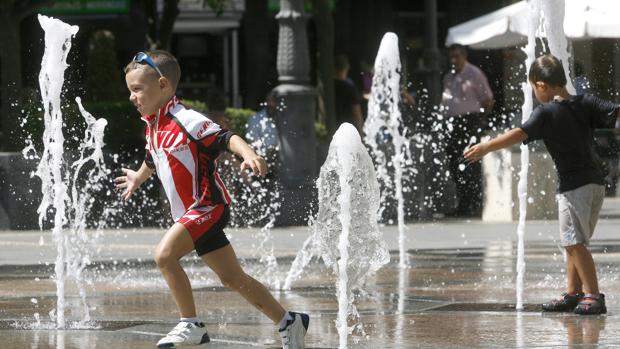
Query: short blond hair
(165, 61)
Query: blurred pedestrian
(466, 98)
(262, 133)
(347, 98)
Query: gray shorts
(579, 209)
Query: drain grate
(22, 324)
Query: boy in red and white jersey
(182, 148)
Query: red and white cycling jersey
(182, 145)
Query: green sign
(87, 7)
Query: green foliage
(238, 119)
(196, 105)
(30, 117)
(103, 75)
(125, 129)
(320, 132)
(217, 6)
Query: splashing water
(257, 200)
(345, 231)
(384, 122)
(56, 179)
(78, 256)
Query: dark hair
(165, 61)
(458, 47)
(548, 69)
(341, 62)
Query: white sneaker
(185, 333)
(295, 330)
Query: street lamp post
(297, 115)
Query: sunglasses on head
(142, 57)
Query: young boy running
(566, 125)
(182, 147)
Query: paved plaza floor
(459, 292)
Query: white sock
(192, 320)
(287, 316)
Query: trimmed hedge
(238, 117)
(125, 129)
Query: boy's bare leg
(582, 259)
(175, 244)
(224, 263)
(573, 282)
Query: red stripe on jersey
(207, 141)
(220, 185)
(193, 148)
(203, 179)
(183, 180)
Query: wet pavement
(457, 293)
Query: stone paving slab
(457, 293)
(447, 299)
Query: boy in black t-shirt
(566, 125)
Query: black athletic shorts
(214, 238)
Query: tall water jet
(383, 123)
(57, 44)
(526, 110)
(345, 233)
(552, 12)
(56, 178)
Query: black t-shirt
(567, 129)
(346, 96)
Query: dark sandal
(566, 303)
(591, 305)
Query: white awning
(507, 26)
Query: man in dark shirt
(346, 96)
(566, 125)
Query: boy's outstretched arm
(131, 180)
(476, 152)
(251, 161)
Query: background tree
(260, 31)
(325, 59)
(103, 74)
(12, 13)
